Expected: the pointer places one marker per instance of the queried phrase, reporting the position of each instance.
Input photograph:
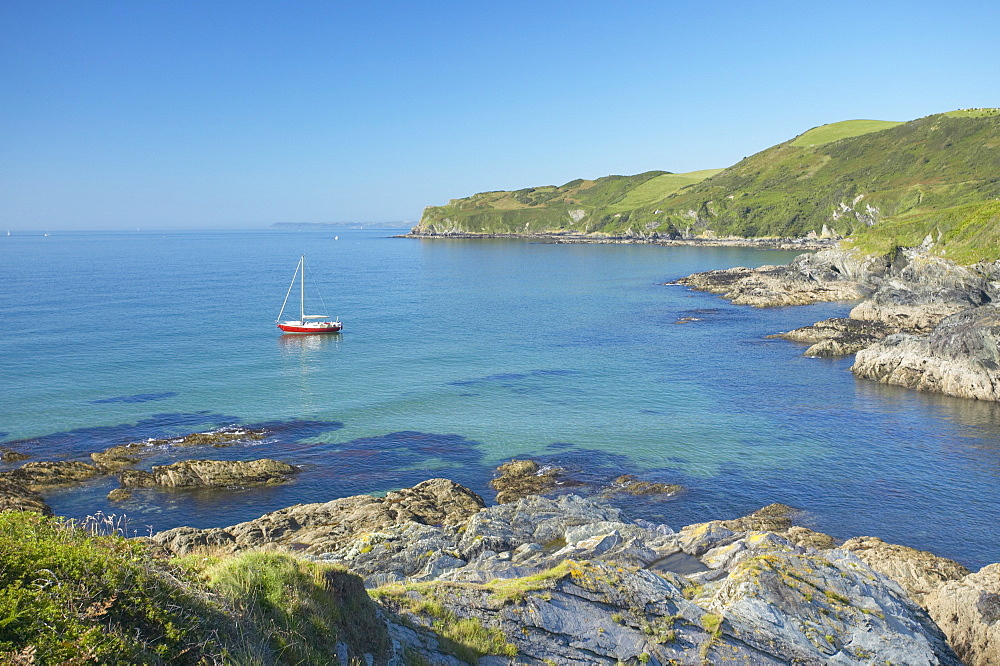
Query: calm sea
(458, 355)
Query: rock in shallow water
(210, 474)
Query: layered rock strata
(568, 580)
(210, 474)
(960, 357)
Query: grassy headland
(884, 182)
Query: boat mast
(302, 289)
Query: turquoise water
(457, 355)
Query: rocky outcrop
(839, 336)
(627, 484)
(921, 290)
(325, 527)
(49, 474)
(772, 286)
(570, 580)
(520, 478)
(968, 610)
(15, 497)
(8, 455)
(917, 571)
(210, 474)
(960, 357)
(221, 437)
(118, 457)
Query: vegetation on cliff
(885, 182)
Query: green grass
(964, 234)
(303, 608)
(846, 129)
(973, 113)
(67, 596)
(466, 638)
(659, 188)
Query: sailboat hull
(310, 327)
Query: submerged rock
(223, 437)
(47, 474)
(628, 484)
(520, 478)
(15, 497)
(968, 610)
(960, 357)
(11, 456)
(210, 474)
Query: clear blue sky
(223, 114)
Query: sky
(238, 114)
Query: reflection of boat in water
(306, 323)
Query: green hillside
(569, 208)
(846, 129)
(855, 177)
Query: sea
(456, 356)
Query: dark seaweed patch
(505, 378)
(138, 397)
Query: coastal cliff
(833, 181)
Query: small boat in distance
(306, 323)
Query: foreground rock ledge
(569, 580)
(960, 357)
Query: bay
(457, 355)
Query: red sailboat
(306, 323)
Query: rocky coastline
(555, 577)
(921, 321)
(566, 580)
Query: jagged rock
(136, 478)
(772, 518)
(46, 474)
(772, 286)
(520, 478)
(629, 485)
(11, 456)
(119, 495)
(117, 457)
(921, 290)
(811, 608)
(15, 497)
(917, 571)
(960, 357)
(210, 474)
(968, 611)
(222, 473)
(839, 336)
(325, 527)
